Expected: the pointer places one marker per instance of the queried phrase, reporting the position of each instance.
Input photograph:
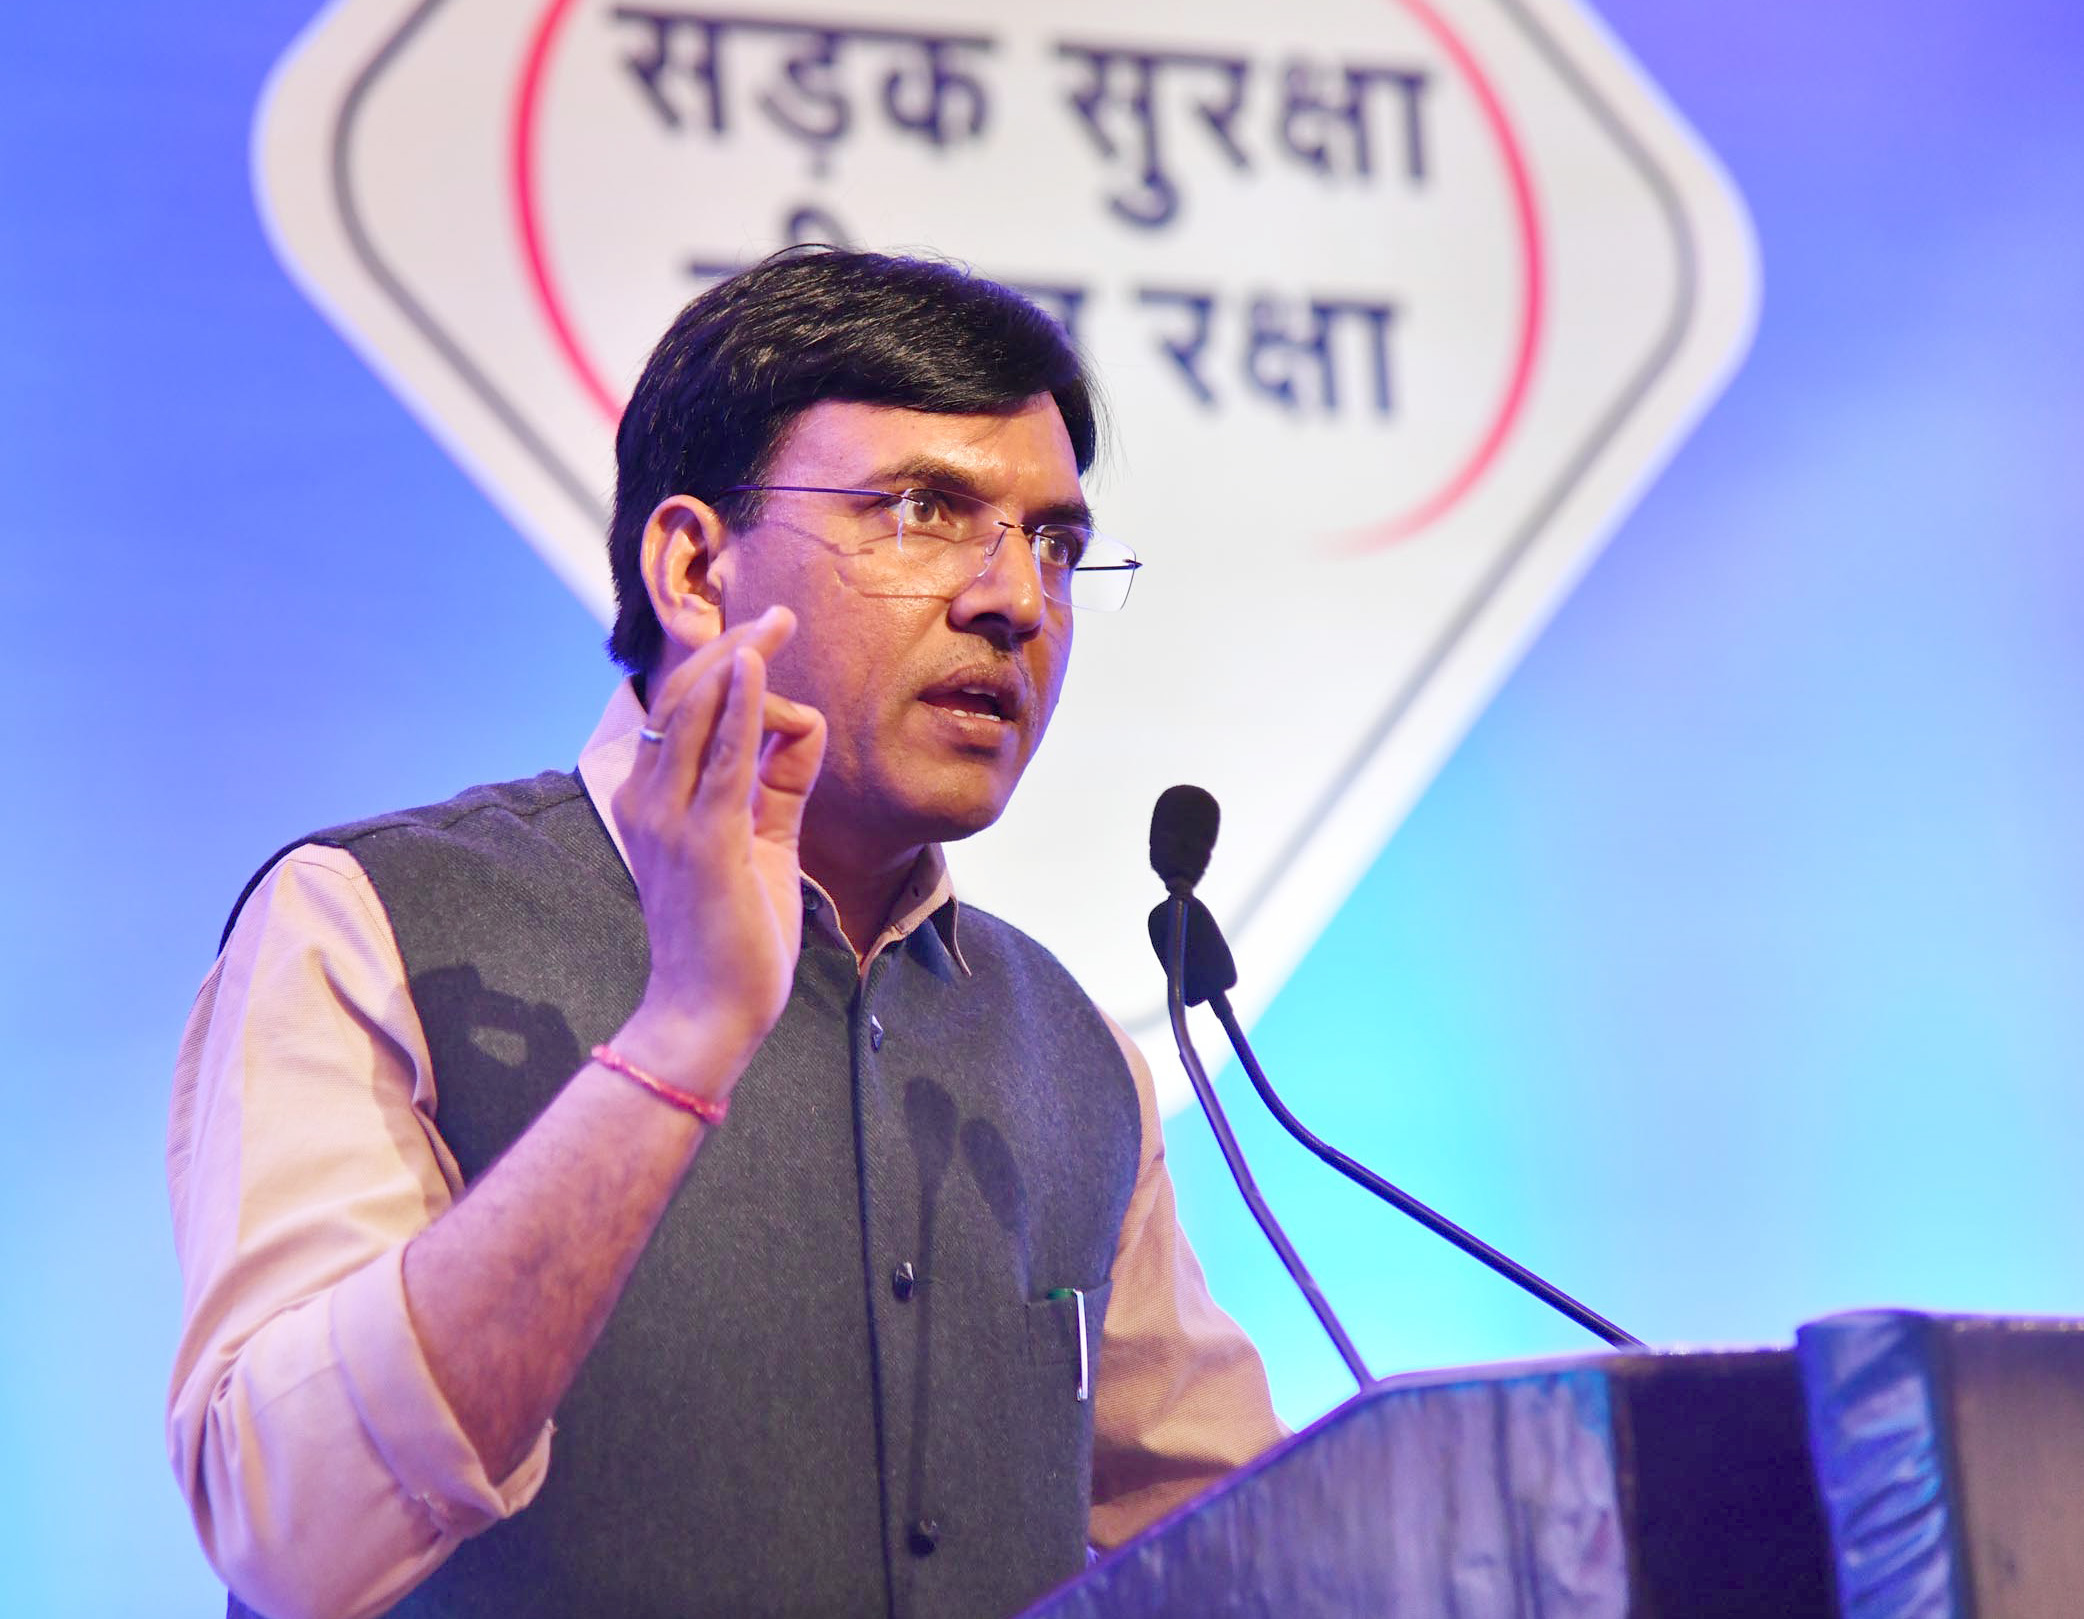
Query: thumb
(788, 769)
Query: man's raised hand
(711, 817)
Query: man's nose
(1009, 588)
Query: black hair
(743, 360)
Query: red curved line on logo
(1426, 512)
(533, 251)
(1532, 301)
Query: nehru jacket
(859, 1366)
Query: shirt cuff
(405, 1415)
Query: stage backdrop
(1435, 283)
(1728, 969)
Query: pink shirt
(326, 1473)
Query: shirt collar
(610, 755)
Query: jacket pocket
(1064, 1330)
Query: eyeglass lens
(955, 537)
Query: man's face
(935, 702)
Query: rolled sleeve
(325, 1472)
(409, 1424)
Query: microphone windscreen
(1183, 834)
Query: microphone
(1183, 834)
(1210, 971)
(1206, 973)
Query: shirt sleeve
(325, 1472)
(1181, 1398)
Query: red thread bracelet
(708, 1111)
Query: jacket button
(925, 1536)
(901, 1281)
(875, 1032)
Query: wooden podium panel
(1622, 1486)
(1950, 1452)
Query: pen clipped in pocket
(1064, 1329)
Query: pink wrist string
(708, 1111)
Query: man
(916, 1320)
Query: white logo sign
(1396, 303)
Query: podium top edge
(1607, 1362)
(1941, 1321)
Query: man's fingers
(791, 753)
(712, 714)
(783, 716)
(668, 694)
(767, 634)
(675, 765)
(770, 632)
(734, 738)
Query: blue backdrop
(1730, 973)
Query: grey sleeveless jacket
(843, 1378)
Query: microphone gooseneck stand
(1204, 969)
(1233, 1156)
(1475, 1247)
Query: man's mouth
(979, 698)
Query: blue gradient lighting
(1731, 973)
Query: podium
(1891, 1466)
(1950, 1455)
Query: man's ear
(681, 541)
